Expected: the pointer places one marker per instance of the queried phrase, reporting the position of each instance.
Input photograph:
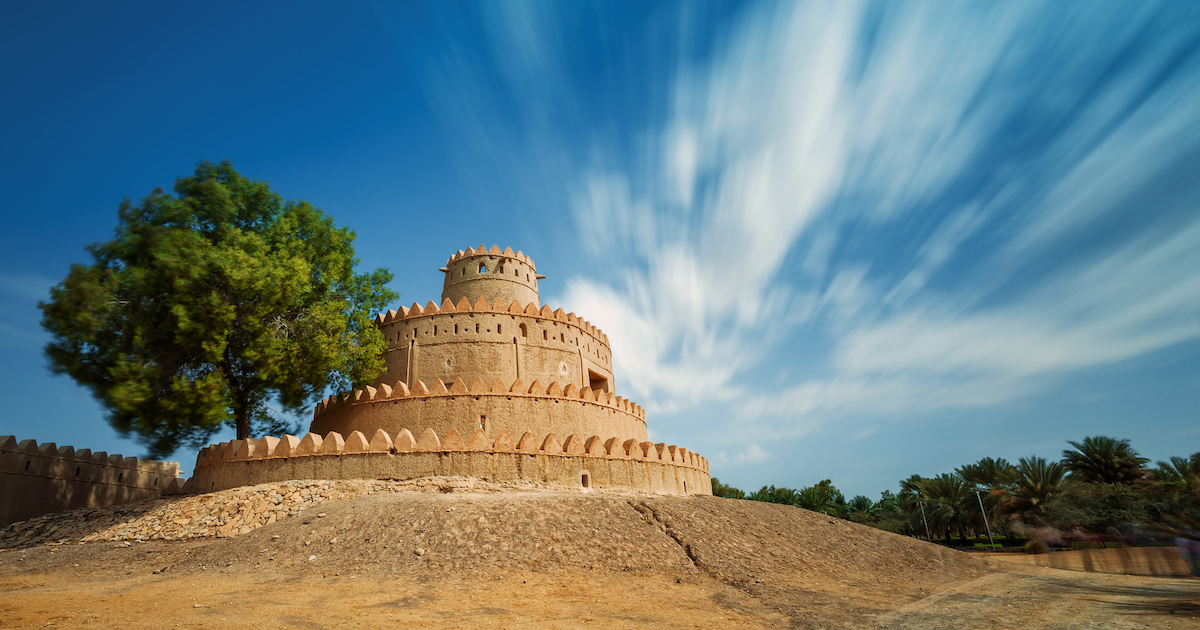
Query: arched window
(524, 331)
(482, 267)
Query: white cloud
(802, 132)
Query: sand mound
(798, 564)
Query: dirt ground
(538, 560)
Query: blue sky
(839, 240)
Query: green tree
(1180, 476)
(729, 492)
(951, 504)
(1102, 459)
(1037, 483)
(822, 497)
(210, 303)
(993, 474)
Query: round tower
(491, 275)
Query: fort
(540, 407)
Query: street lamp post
(985, 519)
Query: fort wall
(570, 463)
(515, 408)
(491, 341)
(41, 479)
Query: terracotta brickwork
(491, 362)
(41, 479)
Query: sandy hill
(341, 554)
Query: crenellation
(41, 478)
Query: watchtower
(491, 275)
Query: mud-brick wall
(37, 480)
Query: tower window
(524, 331)
(482, 267)
(476, 328)
(544, 336)
(498, 331)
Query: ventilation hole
(498, 331)
(456, 329)
(544, 337)
(120, 477)
(76, 472)
(27, 466)
(156, 481)
(477, 328)
(585, 480)
(562, 337)
(435, 331)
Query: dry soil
(464, 557)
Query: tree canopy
(211, 303)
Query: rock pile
(223, 514)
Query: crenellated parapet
(39, 479)
(496, 323)
(491, 275)
(338, 402)
(590, 462)
(513, 407)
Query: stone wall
(571, 463)
(37, 480)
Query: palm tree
(996, 477)
(1037, 482)
(989, 473)
(952, 504)
(861, 504)
(1181, 476)
(1103, 459)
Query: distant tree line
(1099, 484)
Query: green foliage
(729, 492)
(1097, 506)
(1102, 459)
(1180, 476)
(1037, 483)
(210, 303)
(822, 497)
(989, 473)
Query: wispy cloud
(959, 202)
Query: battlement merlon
(490, 274)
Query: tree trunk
(241, 415)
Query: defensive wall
(515, 408)
(493, 341)
(41, 479)
(572, 463)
